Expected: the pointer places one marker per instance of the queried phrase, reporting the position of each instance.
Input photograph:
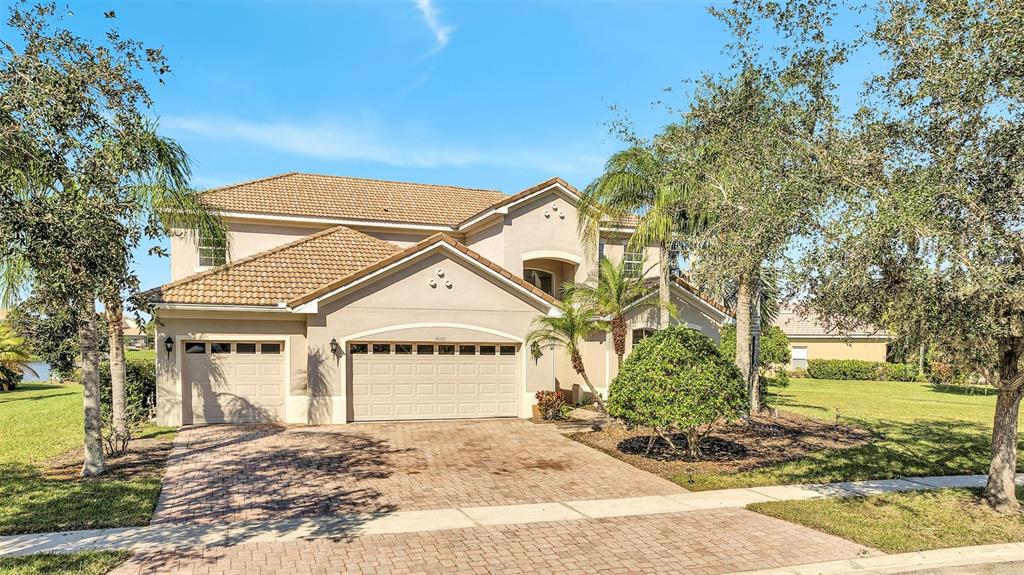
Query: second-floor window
(633, 262)
(212, 252)
(543, 280)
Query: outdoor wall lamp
(334, 346)
(169, 345)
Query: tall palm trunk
(577, 364)
(663, 294)
(94, 463)
(619, 329)
(743, 343)
(115, 321)
(1000, 491)
(754, 380)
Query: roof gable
(308, 301)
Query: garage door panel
(233, 388)
(432, 386)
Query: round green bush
(677, 380)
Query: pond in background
(42, 371)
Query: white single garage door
(399, 380)
(233, 381)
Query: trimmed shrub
(139, 383)
(552, 405)
(674, 380)
(858, 369)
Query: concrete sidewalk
(955, 560)
(350, 526)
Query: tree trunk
(577, 364)
(1000, 491)
(115, 321)
(664, 297)
(693, 443)
(754, 380)
(619, 329)
(93, 463)
(743, 328)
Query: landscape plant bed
(905, 522)
(145, 459)
(739, 446)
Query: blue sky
(485, 94)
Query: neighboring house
(134, 334)
(810, 339)
(343, 299)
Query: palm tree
(164, 202)
(615, 288)
(577, 319)
(14, 354)
(636, 183)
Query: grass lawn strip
(40, 452)
(920, 430)
(904, 522)
(81, 563)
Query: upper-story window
(212, 252)
(545, 281)
(600, 250)
(633, 262)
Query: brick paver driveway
(232, 473)
(698, 542)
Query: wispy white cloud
(371, 142)
(442, 32)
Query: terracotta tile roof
(338, 197)
(434, 239)
(704, 296)
(793, 322)
(283, 273)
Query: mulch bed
(738, 446)
(146, 457)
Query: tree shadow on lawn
(899, 449)
(969, 390)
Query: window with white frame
(212, 251)
(799, 357)
(633, 262)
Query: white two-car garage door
(395, 381)
(233, 381)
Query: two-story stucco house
(342, 299)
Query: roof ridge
(267, 252)
(381, 180)
(247, 182)
(418, 246)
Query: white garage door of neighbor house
(398, 380)
(233, 381)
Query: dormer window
(212, 251)
(543, 280)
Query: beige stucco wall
(615, 247)
(870, 349)
(244, 239)
(476, 308)
(222, 326)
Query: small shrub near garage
(858, 369)
(139, 383)
(677, 380)
(552, 405)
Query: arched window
(545, 281)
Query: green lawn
(148, 353)
(904, 522)
(81, 563)
(920, 430)
(39, 422)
